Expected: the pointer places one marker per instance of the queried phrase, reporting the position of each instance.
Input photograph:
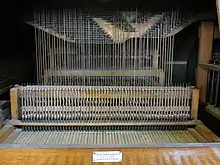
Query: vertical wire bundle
(75, 47)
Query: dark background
(17, 46)
(17, 38)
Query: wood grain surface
(146, 156)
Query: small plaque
(107, 156)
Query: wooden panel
(207, 133)
(205, 52)
(14, 103)
(5, 132)
(195, 104)
(142, 156)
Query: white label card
(107, 156)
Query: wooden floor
(147, 156)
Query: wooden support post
(205, 53)
(14, 103)
(195, 104)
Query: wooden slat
(210, 66)
(205, 52)
(215, 112)
(195, 104)
(20, 123)
(14, 103)
(197, 136)
(5, 132)
(206, 133)
(139, 156)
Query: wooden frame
(205, 51)
(79, 154)
(195, 104)
(199, 131)
(16, 122)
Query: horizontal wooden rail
(20, 123)
(215, 112)
(210, 66)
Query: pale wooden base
(139, 156)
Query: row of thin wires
(76, 104)
(69, 136)
(62, 62)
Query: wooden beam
(195, 104)
(14, 103)
(20, 123)
(205, 53)
(210, 66)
